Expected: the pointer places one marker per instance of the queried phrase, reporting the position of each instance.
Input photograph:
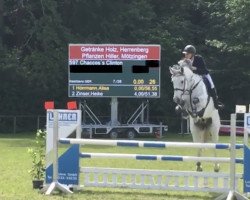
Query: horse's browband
(190, 90)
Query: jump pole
(55, 184)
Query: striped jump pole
(155, 144)
(159, 157)
(229, 180)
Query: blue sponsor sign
(246, 169)
(248, 120)
(68, 167)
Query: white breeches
(210, 80)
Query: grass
(16, 183)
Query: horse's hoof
(216, 168)
(199, 169)
(178, 109)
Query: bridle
(183, 90)
(186, 91)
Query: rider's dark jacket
(200, 64)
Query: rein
(201, 112)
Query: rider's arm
(200, 66)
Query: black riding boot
(217, 104)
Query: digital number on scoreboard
(114, 70)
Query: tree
(1, 24)
(35, 37)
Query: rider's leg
(209, 78)
(215, 98)
(213, 92)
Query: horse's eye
(182, 82)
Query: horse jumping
(191, 95)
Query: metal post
(233, 194)
(55, 146)
(91, 133)
(14, 125)
(114, 111)
(79, 130)
(160, 129)
(232, 152)
(147, 112)
(38, 122)
(142, 113)
(84, 112)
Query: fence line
(25, 123)
(21, 123)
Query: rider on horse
(199, 67)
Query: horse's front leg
(198, 136)
(198, 164)
(215, 138)
(216, 164)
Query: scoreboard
(114, 70)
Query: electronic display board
(114, 70)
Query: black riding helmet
(189, 49)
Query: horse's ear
(171, 70)
(176, 69)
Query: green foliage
(35, 37)
(37, 154)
